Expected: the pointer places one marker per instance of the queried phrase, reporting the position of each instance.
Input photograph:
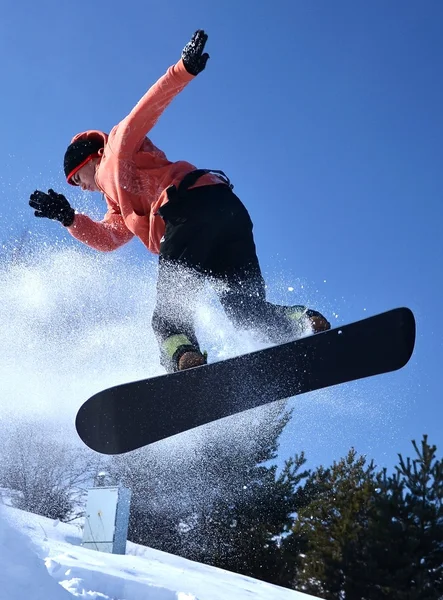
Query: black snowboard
(132, 415)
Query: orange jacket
(133, 174)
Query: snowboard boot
(190, 359)
(317, 321)
(302, 316)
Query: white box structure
(107, 519)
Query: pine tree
(254, 523)
(223, 502)
(327, 540)
(406, 534)
(370, 536)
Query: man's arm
(126, 138)
(106, 235)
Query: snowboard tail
(128, 416)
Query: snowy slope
(43, 560)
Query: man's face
(85, 177)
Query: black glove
(52, 206)
(192, 56)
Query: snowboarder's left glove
(52, 206)
(192, 55)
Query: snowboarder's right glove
(192, 55)
(52, 206)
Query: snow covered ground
(43, 560)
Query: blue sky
(326, 117)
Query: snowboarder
(190, 217)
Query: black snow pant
(209, 237)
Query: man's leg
(173, 317)
(191, 231)
(243, 292)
